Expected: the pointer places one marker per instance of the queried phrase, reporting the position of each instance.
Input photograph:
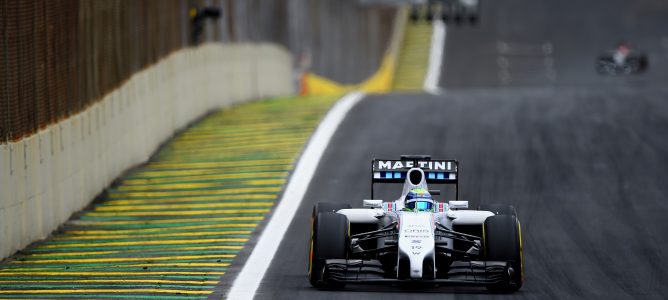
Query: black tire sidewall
(329, 240)
(502, 241)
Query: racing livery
(415, 239)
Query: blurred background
(58, 57)
(143, 142)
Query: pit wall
(46, 177)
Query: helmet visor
(423, 205)
(420, 204)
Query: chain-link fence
(59, 56)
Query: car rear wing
(437, 171)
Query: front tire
(329, 240)
(502, 241)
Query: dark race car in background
(622, 60)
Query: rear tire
(415, 14)
(502, 241)
(329, 240)
(644, 63)
(446, 13)
(473, 19)
(458, 14)
(430, 12)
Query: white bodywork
(416, 241)
(416, 229)
(362, 216)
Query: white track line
(248, 280)
(435, 58)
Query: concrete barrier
(46, 177)
(380, 81)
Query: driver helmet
(419, 199)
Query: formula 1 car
(437, 243)
(622, 60)
(459, 11)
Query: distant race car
(414, 239)
(458, 11)
(622, 60)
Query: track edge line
(255, 267)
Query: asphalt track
(583, 158)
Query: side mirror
(372, 203)
(458, 204)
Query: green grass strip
(159, 218)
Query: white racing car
(415, 239)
